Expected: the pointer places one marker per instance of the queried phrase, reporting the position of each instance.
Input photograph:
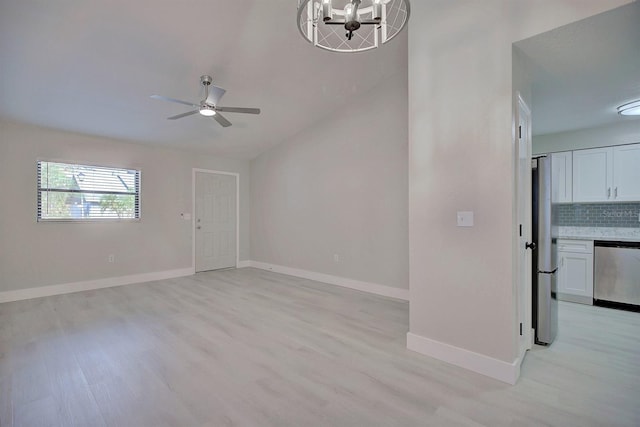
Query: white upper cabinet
(593, 175)
(626, 173)
(609, 174)
(562, 177)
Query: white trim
(243, 264)
(476, 362)
(67, 288)
(580, 299)
(193, 214)
(373, 288)
(524, 110)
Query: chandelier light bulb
(327, 10)
(377, 9)
(348, 11)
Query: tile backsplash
(598, 214)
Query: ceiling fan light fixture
(207, 111)
(630, 109)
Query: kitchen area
(586, 274)
(596, 205)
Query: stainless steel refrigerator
(545, 258)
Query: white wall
(461, 157)
(339, 187)
(36, 254)
(627, 132)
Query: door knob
(531, 246)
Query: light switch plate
(465, 218)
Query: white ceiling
(583, 71)
(90, 66)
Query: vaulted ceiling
(90, 67)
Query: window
(69, 192)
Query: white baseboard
(373, 288)
(243, 264)
(476, 362)
(575, 298)
(67, 288)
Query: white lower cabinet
(575, 271)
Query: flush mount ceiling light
(630, 109)
(351, 25)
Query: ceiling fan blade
(215, 94)
(238, 110)
(179, 116)
(220, 119)
(164, 98)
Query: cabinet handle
(609, 193)
(615, 193)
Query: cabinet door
(593, 175)
(626, 173)
(561, 177)
(575, 276)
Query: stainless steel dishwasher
(617, 274)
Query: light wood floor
(254, 348)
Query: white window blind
(71, 192)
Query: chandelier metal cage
(351, 25)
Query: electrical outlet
(112, 258)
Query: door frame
(523, 111)
(194, 171)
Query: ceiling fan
(209, 105)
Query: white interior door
(524, 206)
(215, 221)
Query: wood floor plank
(6, 402)
(254, 348)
